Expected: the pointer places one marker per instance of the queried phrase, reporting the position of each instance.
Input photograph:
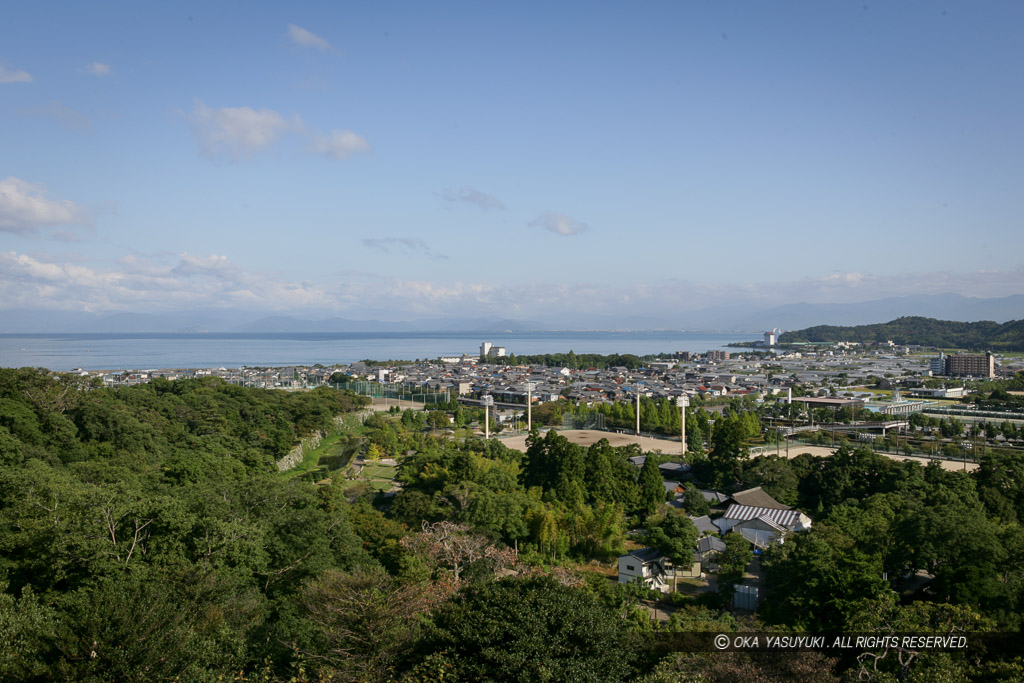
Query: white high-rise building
(487, 350)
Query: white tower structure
(682, 402)
(488, 401)
(530, 386)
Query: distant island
(984, 335)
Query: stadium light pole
(488, 401)
(637, 387)
(530, 386)
(683, 401)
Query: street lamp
(683, 401)
(488, 401)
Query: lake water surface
(150, 351)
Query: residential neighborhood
(751, 514)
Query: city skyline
(399, 162)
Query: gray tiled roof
(709, 543)
(704, 524)
(785, 518)
(756, 497)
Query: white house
(655, 570)
(646, 563)
(761, 532)
(774, 518)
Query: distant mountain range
(735, 318)
(940, 306)
(290, 324)
(974, 336)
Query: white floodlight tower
(530, 386)
(683, 401)
(488, 401)
(637, 387)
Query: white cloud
(337, 144)
(25, 208)
(96, 69)
(402, 245)
(468, 195)
(14, 75)
(184, 281)
(138, 284)
(559, 223)
(213, 264)
(304, 38)
(238, 132)
(235, 132)
(60, 112)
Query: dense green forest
(145, 534)
(977, 336)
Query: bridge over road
(852, 426)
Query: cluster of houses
(711, 374)
(508, 384)
(753, 514)
(289, 377)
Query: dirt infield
(383, 404)
(585, 437)
(823, 451)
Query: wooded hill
(146, 535)
(984, 335)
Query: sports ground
(585, 437)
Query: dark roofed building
(670, 469)
(758, 498)
(710, 544)
(673, 487)
(714, 498)
(704, 525)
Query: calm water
(151, 351)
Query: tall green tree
(728, 449)
(675, 537)
(652, 490)
(820, 579)
(732, 562)
(527, 629)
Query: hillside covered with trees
(977, 336)
(146, 534)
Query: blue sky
(522, 160)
